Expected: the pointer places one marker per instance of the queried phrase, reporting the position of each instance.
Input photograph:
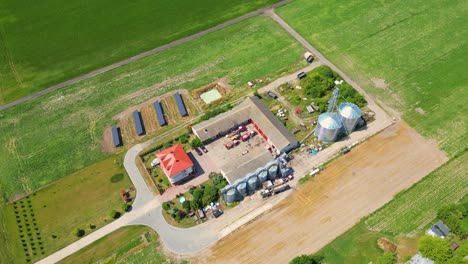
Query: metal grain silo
(253, 184)
(263, 176)
(231, 195)
(273, 171)
(350, 115)
(328, 127)
(242, 188)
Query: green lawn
(115, 245)
(42, 222)
(418, 47)
(45, 42)
(57, 134)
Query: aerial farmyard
(239, 131)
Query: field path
(140, 56)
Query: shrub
(195, 143)
(452, 216)
(180, 215)
(196, 202)
(186, 205)
(307, 259)
(78, 232)
(210, 194)
(114, 214)
(184, 139)
(160, 180)
(386, 258)
(166, 206)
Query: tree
(114, 214)
(435, 248)
(307, 259)
(452, 215)
(218, 180)
(210, 194)
(78, 232)
(125, 207)
(196, 202)
(186, 205)
(195, 143)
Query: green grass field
(117, 246)
(46, 42)
(419, 48)
(57, 134)
(48, 217)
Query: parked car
(272, 95)
(301, 75)
(199, 152)
(203, 148)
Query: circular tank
(272, 171)
(263, 176)
(328, 127)
(242, 188)
(231, 195)
(252, 184)
(350, 115)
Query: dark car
(217, 213)
(204, 149)
(198, 151)
(301, 75)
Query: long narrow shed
(116, 136)
(180, 104)
(159, 113)
(140, 129)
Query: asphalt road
(140, 56)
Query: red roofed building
(175, 163)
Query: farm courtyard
(352, 187)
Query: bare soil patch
(221, 86)
(352, 187)
(107, 144)
(386, 245)
(420, 110)
(379, 83)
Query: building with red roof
(175, 163)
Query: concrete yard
(233, 162)
(352, 187)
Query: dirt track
(352, 187)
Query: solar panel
(180, 104)
(159, 113)
(138, 123)
(116, 136)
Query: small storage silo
(273, 171)
(252, 183)
(263, 176)
(350, 115)
(242, 188)
(328, 127)
(231, 195)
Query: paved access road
(140, 56)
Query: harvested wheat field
(352, 187)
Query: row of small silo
(250, 183)
(329, 125)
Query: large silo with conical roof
(328, 127)
(349, 114)
(273, 171)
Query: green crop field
(60, 133)
(411, 54)
(43, 222)
(46, 42)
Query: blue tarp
(159, 113)
(138, 123)
(180, 104)
(116, 136)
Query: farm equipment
(309, 57)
